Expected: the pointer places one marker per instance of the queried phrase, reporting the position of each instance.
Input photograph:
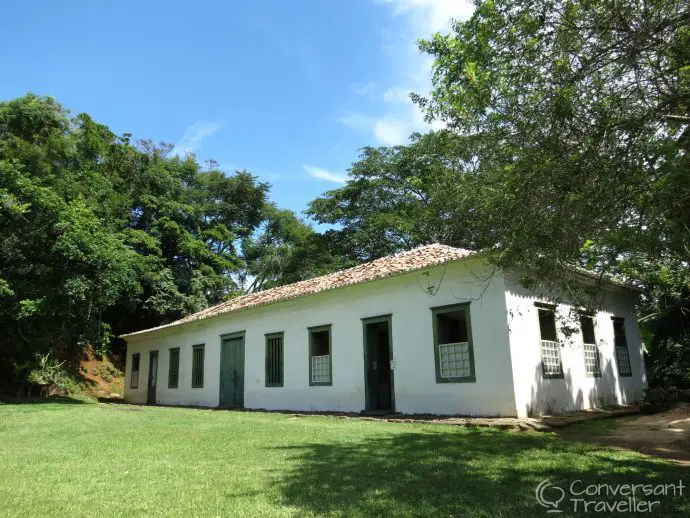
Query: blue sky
(288, 90)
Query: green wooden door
(232, 372)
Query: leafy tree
(400, 197)
(59, 268)
(284, 250)
(578, 113)
(100, 236)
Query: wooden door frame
(223, 338)
(388, 318)
(148, 379)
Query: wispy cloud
(398, 116)
(368, 89)
(357, 121)
(194, 135)
(429, 16)
(392, 132)
(323, 174)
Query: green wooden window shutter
(274, 360)
(134, 373)
(198, 366)
(174, 368)
(453, 347)
(621, 347)
(320, 356)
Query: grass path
(90, 459)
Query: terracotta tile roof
(416, 259)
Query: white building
(433, 330)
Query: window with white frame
(621, 347)
(453, 350)
(320, 355)
(589, 346)
(551, 364)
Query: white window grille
(623, 360)
(454, 360)
(321, 369)
(592, 359)
(551, 358)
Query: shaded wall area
(538, 394)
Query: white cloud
(322, 174)
(391, 132)
(397, 95)
(194, 135)
(398, 116)
(429, 16)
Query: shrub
(658, 399)
(106, 371)
(49, 371)
(101, 348)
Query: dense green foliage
(568, 143)
(99, 236)
(398, 198)
(154, 461)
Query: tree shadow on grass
(63, 400)
(473, 473)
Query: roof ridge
(402, 253)
(405, 261)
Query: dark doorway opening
(153, 377)
(377, 360)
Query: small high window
(134, 373)
(621, 347)
(589, 346)
(274, 360)
(198, 366)
(320, 356)
(551, 364)
(453, 350)
(174, 368)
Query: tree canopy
(101, 236)
(578, 111)
(400, 197)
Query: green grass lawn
(89, 459)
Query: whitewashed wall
(536, 395)
(405, 297)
